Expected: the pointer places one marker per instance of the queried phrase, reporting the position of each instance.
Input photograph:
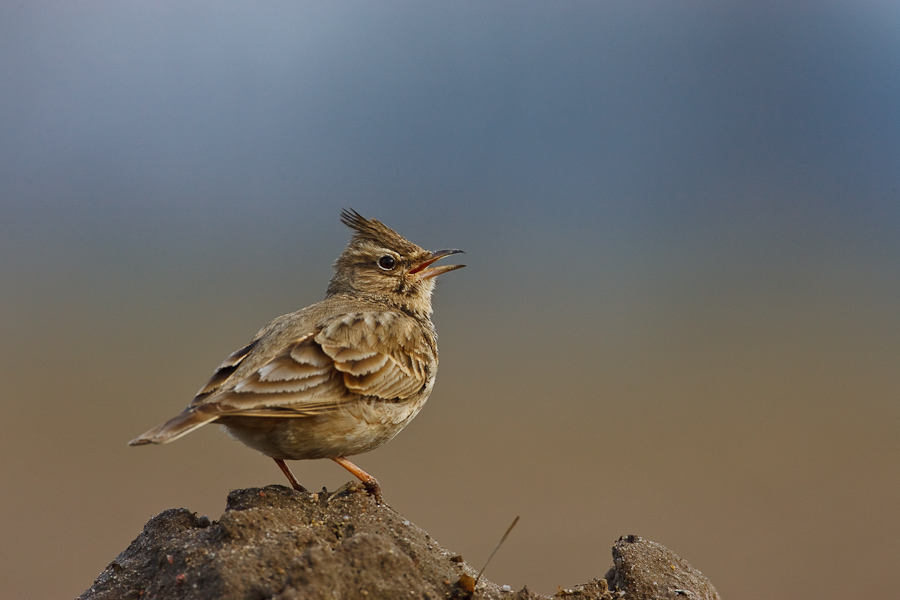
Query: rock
(278, 543)
(645, 570)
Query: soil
(277, 543)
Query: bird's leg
(287, 471)
(371, 484)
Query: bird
(337, 378)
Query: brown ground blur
(752, 432)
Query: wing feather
(378, 353)
(374, 354)
(225, 370)
(298, 379)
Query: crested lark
(340, 377)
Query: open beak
(428, 272)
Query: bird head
(381, 264)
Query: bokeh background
(679, 320)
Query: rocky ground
(278, 543)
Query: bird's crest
(370, 229)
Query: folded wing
(358, 354)
(372, 354)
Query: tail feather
(174, 428)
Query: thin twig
(503, 539)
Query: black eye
(387, 262)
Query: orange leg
(371, 484)
(284, 469)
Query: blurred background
(679, 320)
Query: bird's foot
(374, 490)
(370, 483)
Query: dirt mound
(275, 542)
